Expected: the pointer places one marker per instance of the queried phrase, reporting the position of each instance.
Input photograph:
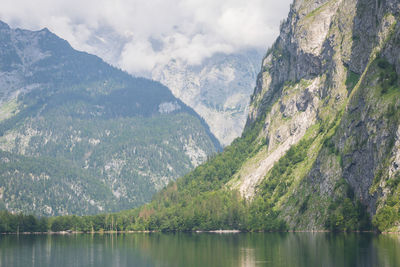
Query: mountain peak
(45, 30)
(4, 25)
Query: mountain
(321, 145)
(78, 136)
(329, 87)
(218, 89)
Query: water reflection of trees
(205, 249)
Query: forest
(199, 201)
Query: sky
(137, 35)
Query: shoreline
(220, 231)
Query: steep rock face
(329, 86)
(218, 89)
(117, 139)
(293, 84)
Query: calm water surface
(245, 249)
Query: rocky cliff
(329, 87)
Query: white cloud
(136, 35)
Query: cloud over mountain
(136, 35)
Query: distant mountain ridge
(218, 89)
(116, 138)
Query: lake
(200, 249)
